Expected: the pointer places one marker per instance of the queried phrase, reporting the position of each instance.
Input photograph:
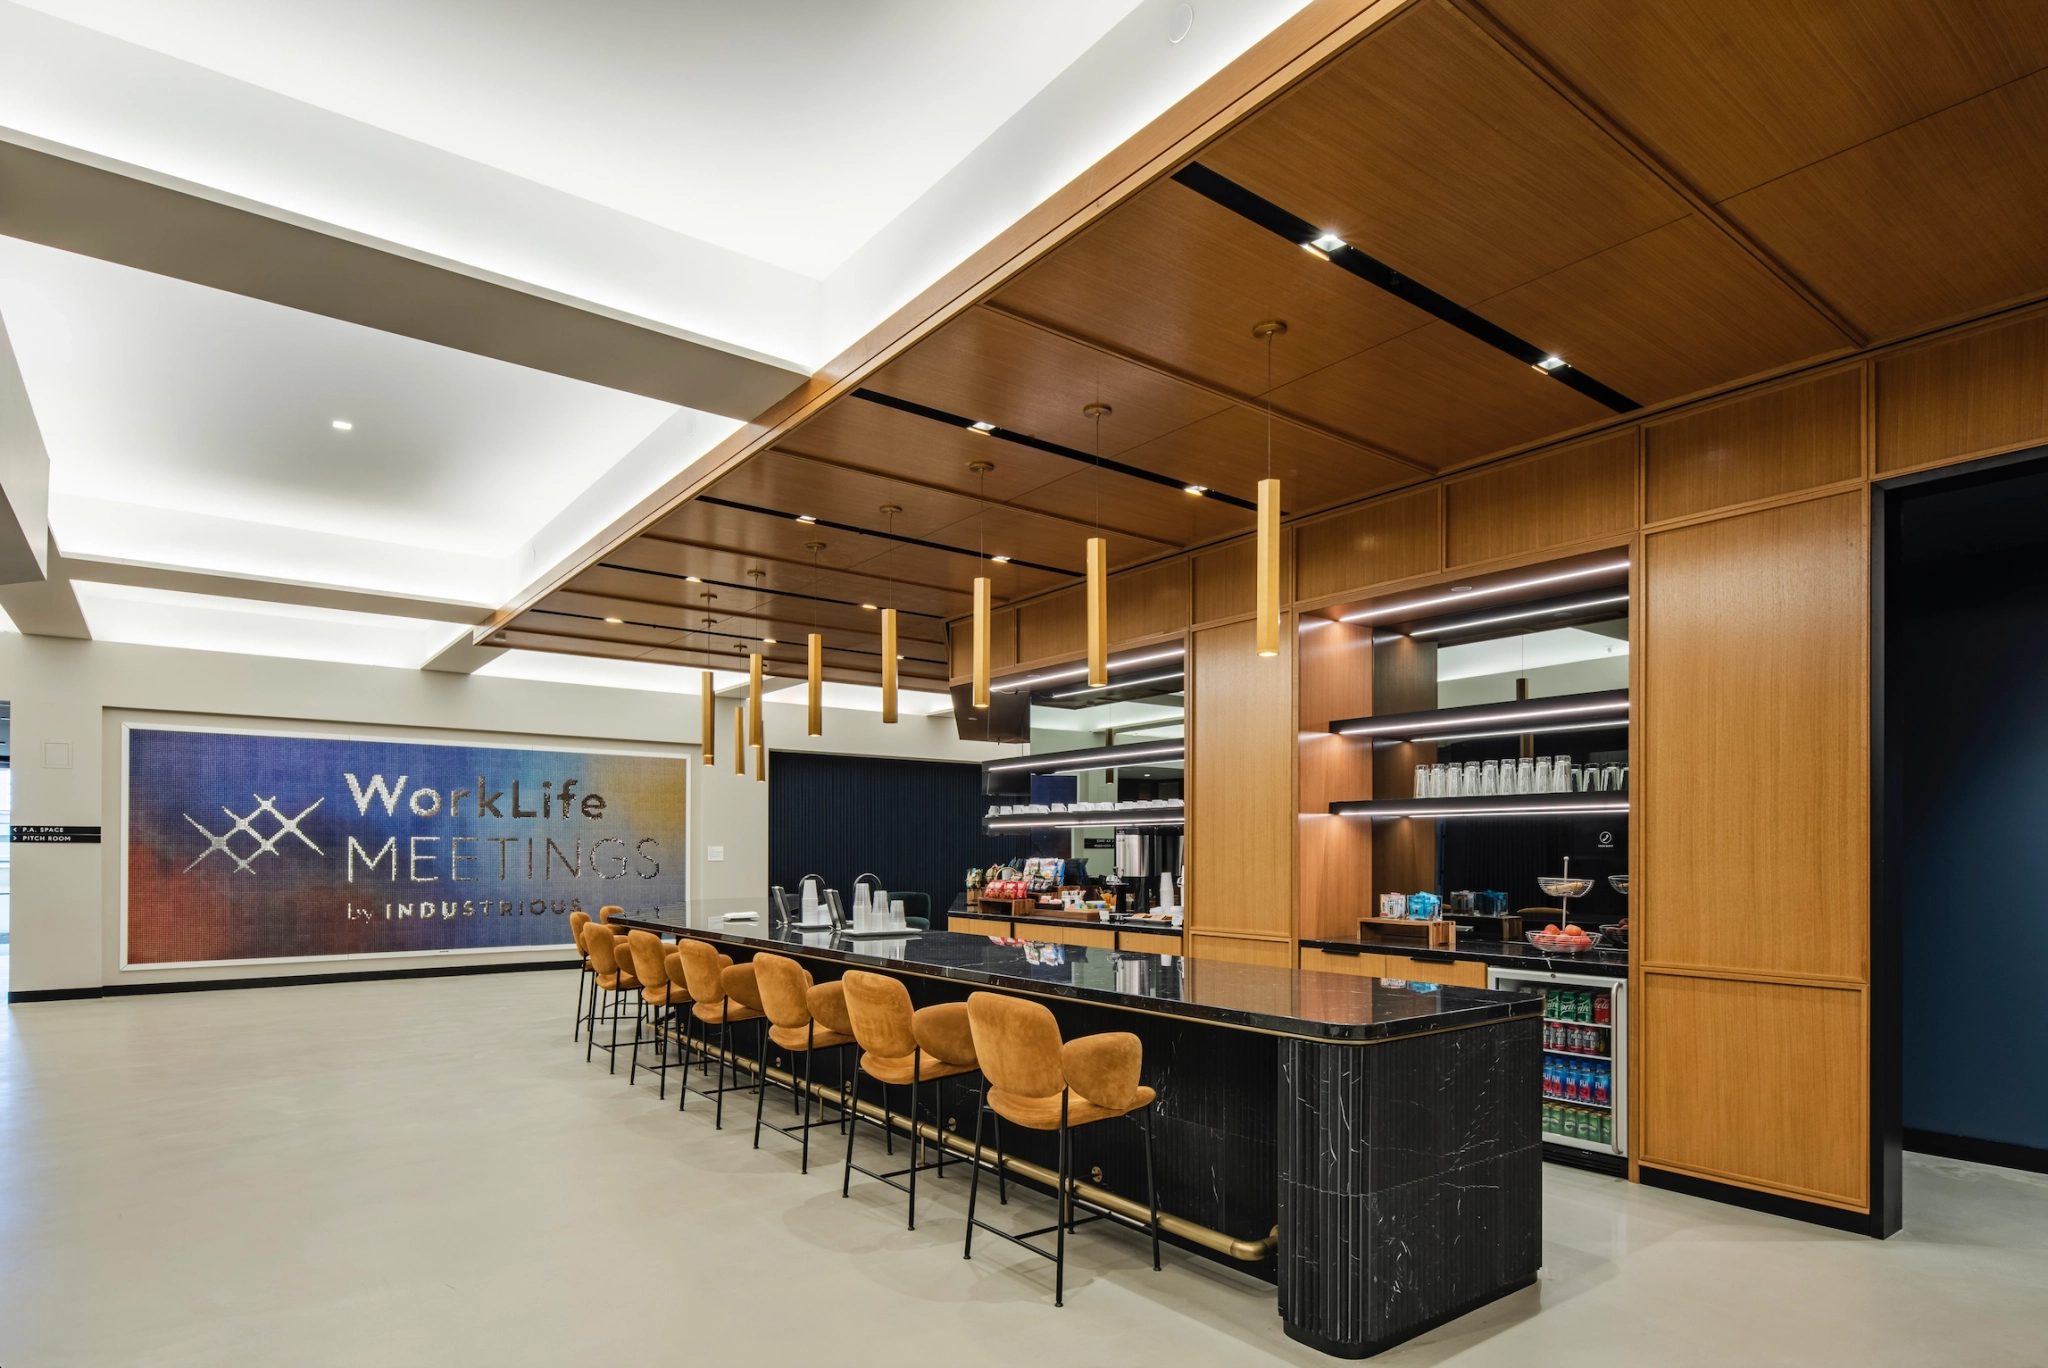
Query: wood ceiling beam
(1512, 44)
(1252, 402)
(1012, 505)
(1297, 47)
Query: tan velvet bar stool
(900, 1046)
(658, 993)
(800, 1017)
(724, 996)
(1036, 1080)
(612, 977)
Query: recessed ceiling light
(342, 425)
(869, 606)
(899, 657)
(981, 427)
(1550, 363)
(1461, 588)
(692, 579)
(767, 641)
(1195, 489)
(1330, 242)
(806, 517)
(616, 621)
(1315, 251)
(1000, 560)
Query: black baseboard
(282, 981)
(1998, 1152)
(1613, 1165)
(1770, 1203)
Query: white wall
(66, 911)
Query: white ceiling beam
(24, 478)
(99, 571)
(46, 607)
(76, 202)
(461, 656)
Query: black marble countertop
(1340, 1008)
(1601, 961)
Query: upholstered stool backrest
(601, 946)
(648, 952)
(1018, 1044)
(703, 970)
(784, 988)
(608, 911)
(944, 1032)
(827, 1002)
(879, 1009)
(577, 921)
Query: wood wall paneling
(1575, 494)
(1404, 849)
(1394, 539)
(1334, 876)
(1761, 1084)
(1798, 436)
(1965, 396)
(1241, 781)
(1155, 601)
(1226, 581)
(1054, 627)
(1754, 841)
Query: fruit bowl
(1619, 883)
(1564, 888)
(1544, 940)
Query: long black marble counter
(1600, 961)
(1296, 1002)
(1373, 1148)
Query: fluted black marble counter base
(1410, 1183)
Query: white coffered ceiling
(766, 181)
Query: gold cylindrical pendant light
(1098, 612)
(814, 696)
(739, 739)
(1269, 568)
(888, 664)
(982, 589)
(761, 764)
(754, 700)
(708, 730)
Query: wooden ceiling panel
(988, 366)
(1024, 535)
(1675, 311)
(1736, 93)
(1431, 148)
(568, 627)
(1228, 452)
(1940, 218)
(1164, 514)
(864, 436)
(651, 568)
(1442, 395)
(737, 614)
(707, 524)
(1179, 280)
(847, 667)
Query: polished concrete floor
(427, 1172)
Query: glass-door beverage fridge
(1585, 1056)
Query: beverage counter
(1372, 1148)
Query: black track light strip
(706, 631)
(728, 584)
(1025, 439)
(1274, 219)
(885, 536)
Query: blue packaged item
(1425, 907)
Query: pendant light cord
(1269, 405)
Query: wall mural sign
(245, 846)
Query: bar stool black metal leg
(1059, 1264)
(581, 974)
(810, 1052)
(974, 1182)
(633, 1071)
(760, 1098)
(1151, 1192)
(590, 1025)
(853, 1127)
(724, 1049)
(916, 1136)
(614, 1066)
